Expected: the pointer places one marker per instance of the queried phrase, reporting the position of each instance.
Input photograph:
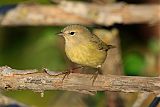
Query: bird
(83, 47)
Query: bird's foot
(71, 71)
(66, 73)
(94, 76)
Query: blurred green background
(31, 47)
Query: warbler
(83, 47)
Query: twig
(12, 79)
(82, 13)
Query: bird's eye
(72, 33)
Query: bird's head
(75, 33)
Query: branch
(36, 80)
(84, 13)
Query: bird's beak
(60, 33)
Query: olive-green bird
(83, 47)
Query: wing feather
(100, 43)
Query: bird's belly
(86, 55)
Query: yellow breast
(88, 55)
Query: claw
(68, 72)
(94, 77)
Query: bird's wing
(100, 43)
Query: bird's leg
(79, 67)
(96, 74)
(71, 71)
(66, 74)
